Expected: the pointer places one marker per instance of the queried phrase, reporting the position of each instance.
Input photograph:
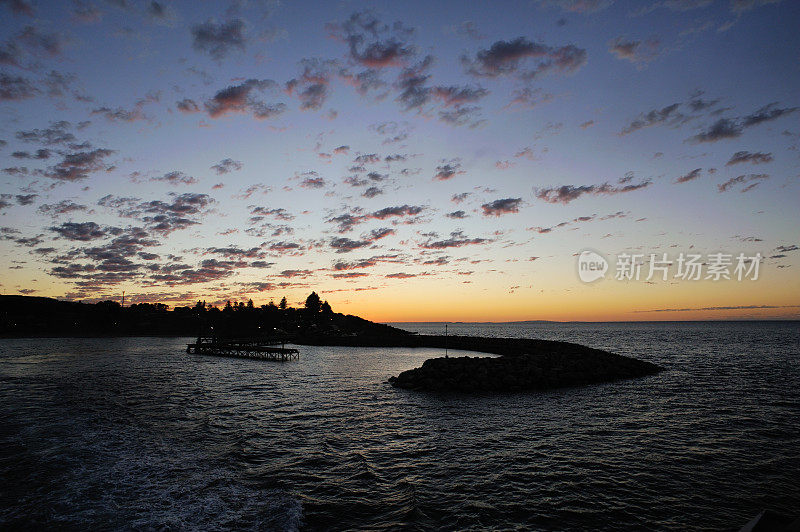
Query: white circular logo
(591, 266)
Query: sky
(408, 161)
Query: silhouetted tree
(21, 315)
(250, 304)
(109, 306)
(282, 304)
(313, 303)
(271, 304)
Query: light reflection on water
(134, 432)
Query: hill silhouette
(41, 316)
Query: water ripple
(135, 433)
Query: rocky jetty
(509, 373)
(524, 364)
(481, 344)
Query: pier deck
(245, 348)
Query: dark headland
(523, 364)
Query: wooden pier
(258, 349)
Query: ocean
(134, 433)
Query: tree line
(39, 316)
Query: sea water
(127, 433)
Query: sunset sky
(409, 161)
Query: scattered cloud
(651, 118)
(638, 52)
(277, 213)
(750, 180)
(175, 178)
(384, 63)
(723, 128)
(346, 245)
(371, 192)
(57, 133)
(731, 128)
(694, 174)
(507, 57)
(226, 166)
(120, 114)
(25, 199)
(448, 170)
(240, 99)
(347, 221)
(501, 206)
(187, 105)
(734, 307)
(78, 165)
(178, 212)
(767, 113)
(528, 98)
(312, 180)
(312, 86)
(38, 154)
(568, 193)
(749, 157)
(25, 47)
(84, 231)
(456, 239)
(219, 39)
(61, 207)
(400, 275)
(578, 220)
(372, 43)
(14, 88)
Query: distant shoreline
(412, 334)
